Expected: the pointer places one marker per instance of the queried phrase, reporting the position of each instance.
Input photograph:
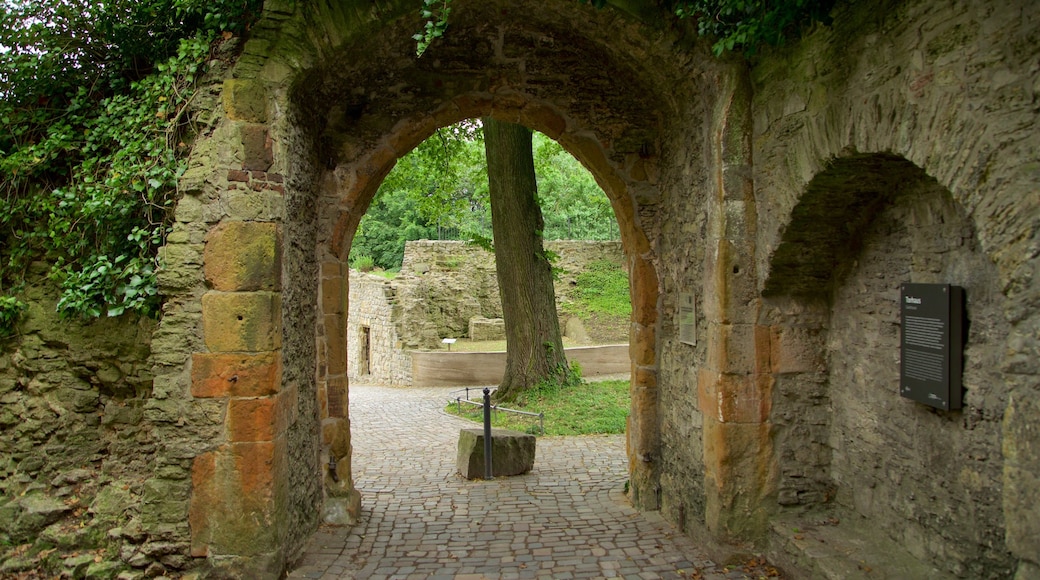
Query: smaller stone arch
(845, 441)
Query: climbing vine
(93, 133)
(735, 25)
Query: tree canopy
(440, 191)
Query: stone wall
(371, 321)
(779, 193)
(441, 286)
(76, 444)
(885, 152)
(932, 480)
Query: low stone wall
(442, 287)
(439, 369)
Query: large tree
(534, 347)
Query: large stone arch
(707, 163)
(900, 99)
(318, 108)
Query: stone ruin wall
(949, 88)
(371, 302)
(441, 286)
(78, 436)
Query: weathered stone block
(235, 375)
(245, 100)
(481, 328)
(732, 398)
(244, 256)
(257, 154)
(1021, 438)
(259, 419)
(795, 350)
(512, 452)
(180, 267)
(336, 434)
(238, 501)
(242, 321)
(1022, 509)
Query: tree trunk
(534, 348)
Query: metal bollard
(487, 434)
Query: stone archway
(909, 101)
(318, 135)
(704, 161)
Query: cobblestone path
(567, 518)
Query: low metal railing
(463, 396)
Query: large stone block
(244, 256)
(732, 398)
(512, 452)
(245, 100)
(242, 321)
(260, 419)
(235, 374)
(238, 501)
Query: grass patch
(590, 408)
(603, 288)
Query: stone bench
(512, 452)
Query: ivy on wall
(734, 25)
(93, 131)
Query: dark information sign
(932, 344)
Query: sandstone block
(259, 419)
(244, 256)
(731, 398)
(238, 503)
(512, 452)
(245, 100)
(242, 321)
(481, 328)
(235, 375)
(180, 267)
(257, 154)
(1022, 506)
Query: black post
(487, 434)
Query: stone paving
(567, 518)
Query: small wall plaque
(687, 318)
(932, 344)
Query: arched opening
(849, 448)
(335, 125)
(345, 139)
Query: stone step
(840, 546)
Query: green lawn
(587, 409)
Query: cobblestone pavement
(567, 518)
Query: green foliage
(585, 408)
(573, 205)
(603, 288)
(93, 123)
(363, 263)
(435, 14)
(11, 310)
(748, 24)
(440, 191)
(742, 25)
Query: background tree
(440, 191)
(534, 346)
